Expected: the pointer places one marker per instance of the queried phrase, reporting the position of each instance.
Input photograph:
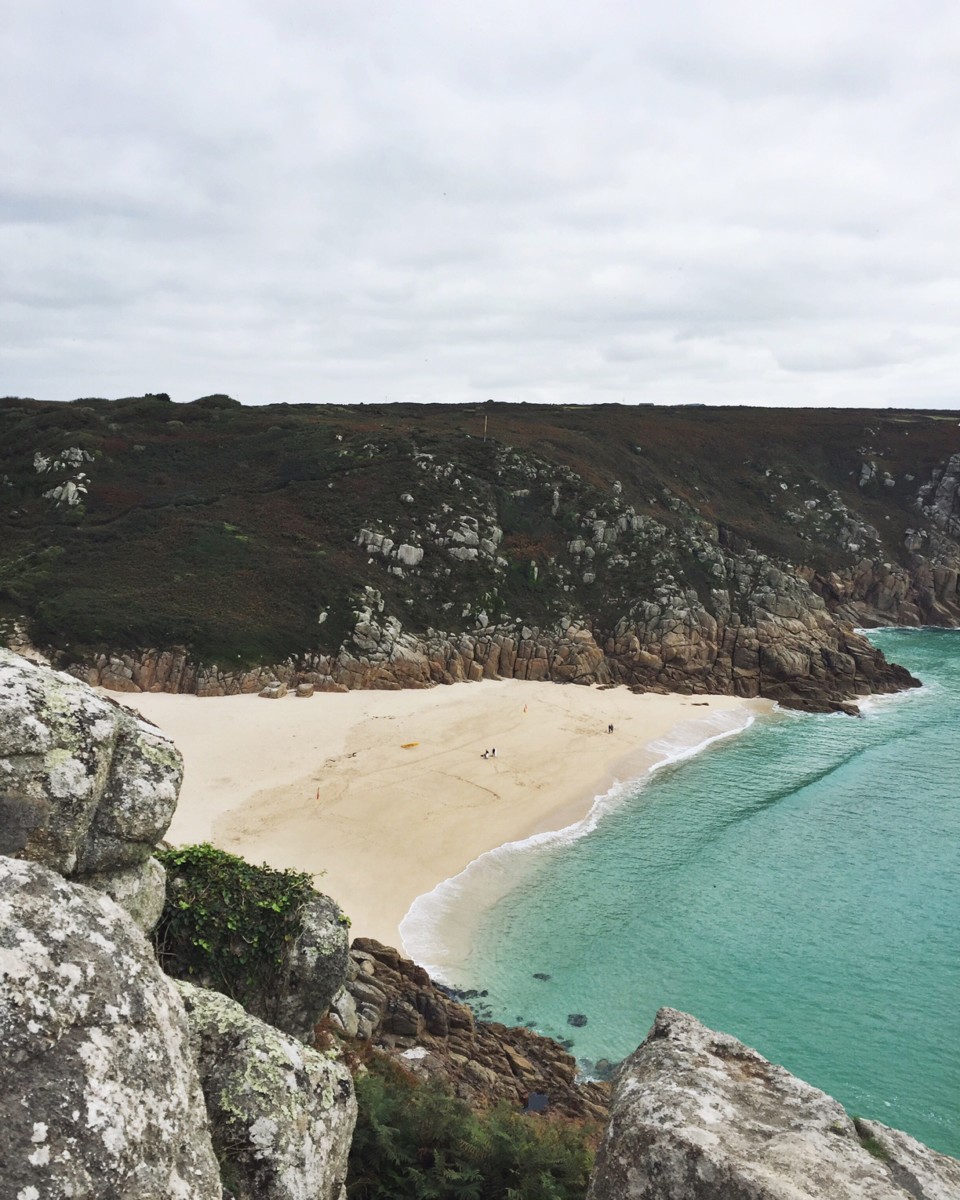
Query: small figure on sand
(609, 729)
(485, 754)
(493, 752)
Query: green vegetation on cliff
(226, 923)
(247, 535)
(414, 1141)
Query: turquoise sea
(797, 885)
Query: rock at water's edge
(696, 1115)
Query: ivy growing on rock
(227, 923)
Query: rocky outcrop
(282, 1115)
(305, 966)
(939, 499)
(696, 1115)
(393, 1004)
(314, 970)
(795, 653)
(97, 1069)
(101, 1097)
(876, 592)
(86, 787)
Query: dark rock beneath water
(577, 1020)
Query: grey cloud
(717, 202)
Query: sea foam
(438, 928)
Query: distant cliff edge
(215, 548)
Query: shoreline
(438, 929)
(380, 795)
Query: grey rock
(274, 690)
(100, 1093)
(344, 1009)
(315, 970)
(940, 498)
(85, 785)
(282, 1115)
(139, 890)
(696, 1115)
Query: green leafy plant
(416, 1140)
(226, 923)
(871, 1144)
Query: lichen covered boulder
(100, 1095)
(696, 1115)
(140, 890)
(262, 936)
(317, 967)
(87, 788)
(282, 1114)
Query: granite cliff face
(86, 787)
(100, 1096)
(696, 1115)
(217, 548)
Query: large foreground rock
(696, 1115)
(86, 787)
(99, 1094)
(282, 1114)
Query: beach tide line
(437, 929)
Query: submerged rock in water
(696, 1115)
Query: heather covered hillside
(712, 547)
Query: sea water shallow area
(797, 886)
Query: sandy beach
(388, 793)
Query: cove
(797, 886)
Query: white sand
(325, 784)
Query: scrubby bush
(227, 923)
(415, 1140)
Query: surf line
(438, 928)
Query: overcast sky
(299, 200)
